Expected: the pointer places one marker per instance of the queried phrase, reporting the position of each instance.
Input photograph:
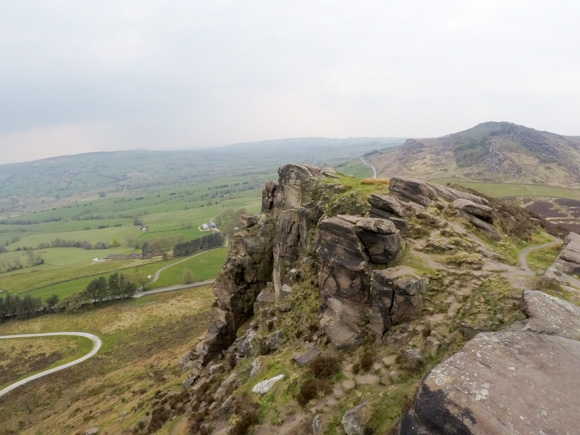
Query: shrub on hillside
(323, 366)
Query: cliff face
(293, 227)
(335, 276)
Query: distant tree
(115, 243)
(114, 285)
(10, 305)
(51, 303)
(127, 287)
(101, 245)
(2, 309)
(28, 307)
(187, 276)
(34, 259)
(137, 220)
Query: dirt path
(523, 262)
(97, 343)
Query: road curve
(156, 277)
(364, 162)
(97, 343)
(172, 288)
(524, 254)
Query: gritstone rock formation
(521, 380)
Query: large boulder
(521, 380)
(480, 211)
(508, 382)
(387, 203)
(343, 281)
(408, 189)
(568, 262)
(293, 241)
(549, 315)
(421, 192)
(381, 239)
(347, 247)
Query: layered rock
(423, 193)
(265, 250)
(348, 246)
(247, 270)
(395, 297)
(568, 262)
(520, 380)
(549, 315)
(479, 215)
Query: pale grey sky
(86, 75)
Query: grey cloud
(80, 75)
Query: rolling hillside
(499, 152)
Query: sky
(83, 75)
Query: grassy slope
(142, 342)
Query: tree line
(208, 241)
(101, 289)
(26, 307)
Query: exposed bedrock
(421, 192)
(347, 247)
(265, 250)
(522, 380)
(247, 270)
(568, 261)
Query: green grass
(540, 259)
(142, 343)
(355, 168)
(71, 348)
(205, 266)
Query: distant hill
(67, 175)
(493, 151)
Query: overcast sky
(87, 75)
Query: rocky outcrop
(348, 245)
(387, 204)
(549, 315)
(343, 281)
(423, 193)
(480, 211)
(265, 250)
(478, 215)
(395, 297)
(354, 420)
(520, 380)
(568, 262)
(247, 270)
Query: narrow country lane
(364, 162)
(97, 343)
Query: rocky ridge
(336, 277)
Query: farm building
(208, 226)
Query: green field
(205, 266)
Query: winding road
(97, 343)
(364, 162)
